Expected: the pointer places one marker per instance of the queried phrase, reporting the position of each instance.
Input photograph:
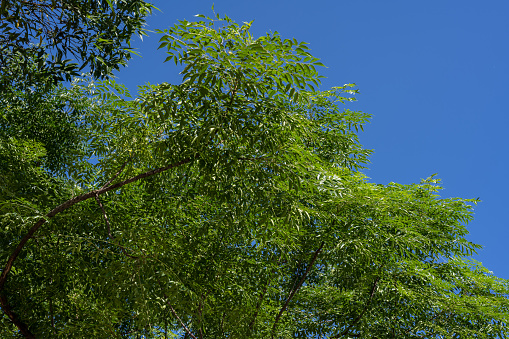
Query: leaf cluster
(51, 33)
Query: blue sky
(434, 75)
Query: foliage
(45, 32)
(52, 115)
(233, 205)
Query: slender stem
(416, 326)
(296, 288)
(200, 315)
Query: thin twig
(255, 159)
(433, 318)
(222, 324)
(296, 288)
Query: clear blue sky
(434, 75)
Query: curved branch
(69, 203)
(296, 288)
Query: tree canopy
(230, 205)
(40, 38)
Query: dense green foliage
(50, 33)
(231, 205)
(55, 118)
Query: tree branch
(188, 332)
(296, 288)
(13, 317)
(52, 315)
(260, 300)
(109, 229)
(433, 318)
(255, 159)
(251, 324)
(118, 172)
(69, 203)
(105, 215)
(373, 290)
(200, 314)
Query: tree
(233, 205)
(45, 32)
